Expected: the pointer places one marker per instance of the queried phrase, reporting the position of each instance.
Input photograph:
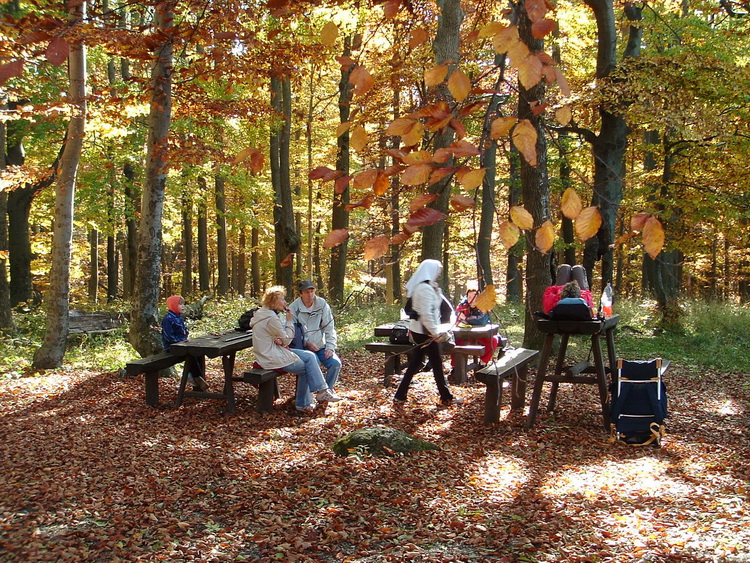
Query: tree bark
(50, 354)
(144, 318)
(187, 243)
(204, 273)
(514, 272)
(6, 313)
(222, 286)
(93, 265)
(133, 201)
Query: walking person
(425, 331)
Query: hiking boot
(326, 395)
(198, 383)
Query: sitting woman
(271, 338)
(469, 314)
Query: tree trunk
(255, 262)
(222, 287)
(133, 201)
(113, 267)
(93, 265)
(536, 196)
(446, 50)
(50, 354)
(340, 217)
(241, 265)
(6, 313)
(144, 313)
(514, 272)
(204, 272)
(187, 243)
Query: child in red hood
(173, 330)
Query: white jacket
(267, 326)
(317, 320)
(426, 300)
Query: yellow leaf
(571, 204)
(358, 139)
(417, 157)
(418, 36)
(530, 72)
(492, 29)
(521, 218)
(416, 174)
(414, 135)
(459, 85)
(329, 34)
(400, 126)
(365, 179)
(588, 222)
(501, 126)
(472, 179)
(653, 237)
(486, 300)
(545, 237)
(524, 139)
(509, 234)
(343, 128)
(563, 115)
(506, 39)
(435, 75)
(376, 247)
(517, 52)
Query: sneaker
(309, 410)
(453, 401)
(326, 395)
(198, 383)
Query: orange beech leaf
(501, 126)
(257, 159)
(400, 237)
(343, 128)
(563, 115)
(341, 184)
(459, 85)
(417, 37)
(537, 108)
(464, 148)
(524, 138)
(394, 169)
(549, 74)
(486, 300)
(544, 238)
(546, 59)
(420, 201)
(391, 8)
(442, 155)
(287, 261)
(417, 157)
(9, 70)
(365, 179)
(324, 173)
(624, 238)
(518, 53)
(346, 62)
(376, 247)
(653, 237)
(358, 138)
(492, 29)
(416, 174)
(562, 82)
(425, 217)
(335, 238)
(472, 179)
(329, 34)
(571, 204)
(409, 229)
(441, 172)
(437, 124)
(396, 154)
(638, 221)
(588, 222)
(435, 75)
(460, 202)
(506, 40)
(536, 9)
(530, 72)
(414, 136)
(521, 218)
(365, 202)
(509, 234)
(362, 81)
(472, 36)
(225, 35)
(381, 184)
(243, 154)
(542, 28)
(400, 126)
(458, 127)
(57, 51)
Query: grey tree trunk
(57, 300)
(187, 243)
(222, 287)
(255, 262)
(204, 273)
(145, 312)
(133, 201)
(93, 265)
(6, 313)
(514, 272)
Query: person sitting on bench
(173, 329)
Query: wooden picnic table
(595, 329)
(226, 345)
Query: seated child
(173, 330)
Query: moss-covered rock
(380, 440)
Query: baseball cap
(304, 285)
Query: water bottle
(605, 304)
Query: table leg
(493, 397)
(152, 388)
(601, 378)
(539, 382)
(183, 382)
(609, 335)
(518, 388)
(227, 363)
(459, 369)
(558, 371)
(390, 367)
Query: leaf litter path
(90, 473)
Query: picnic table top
(213, 344)
(594, 326)
(463, 332)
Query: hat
(305, 285)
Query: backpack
(552, 295)
(298, 341)
(244, 321)
(400, 332)
(571, 309)
(639, 403)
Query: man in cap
(316, 318)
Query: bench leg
(152, 388)
(390, 367)
(536, 395)
(459, 369)
(493, 397)
(558, 371)
(266, 395)
(518, 388)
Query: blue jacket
(173, 329)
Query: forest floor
(91, 473)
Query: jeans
(416, 356)
(332, 365)
(310, 376)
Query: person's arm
(478, 318)
(329, 329)
(426, 302)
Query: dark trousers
(416, 357)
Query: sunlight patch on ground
(726, 407)
(499, 476)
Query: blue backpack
(639, 403)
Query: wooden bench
(393, 351)
(150, 366)
(513, 364)
(268, 387)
